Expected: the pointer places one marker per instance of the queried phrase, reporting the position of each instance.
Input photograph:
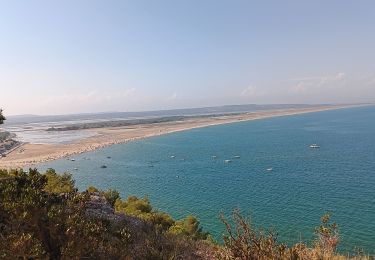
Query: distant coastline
(124, 131)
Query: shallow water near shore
(185, 173)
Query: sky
(79, 56)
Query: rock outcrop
(98, 207)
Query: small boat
(103, 166)
(214, 156)
(73, 160)
(237, 157)
(270, 169)
(314, 146)
(228, 161)
(108, 157)
(76, 169)
(172, 156)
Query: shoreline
(33, 154)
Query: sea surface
(186, 173)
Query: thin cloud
(92, 97)
(371, 82)
(335, 77)
(91, 101)
(172, 97)
(128, 92)
(306, 84)
(249, 91)
(252, 91)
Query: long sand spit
(29, 154)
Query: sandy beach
(32, 154)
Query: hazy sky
(59, 57)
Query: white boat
(172, 156)
(270, 169)
(314, 146)
(228, 161)
(214, 156)
(237, 156)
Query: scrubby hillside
(44, 216)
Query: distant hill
(23, 119)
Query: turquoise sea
(179, 175)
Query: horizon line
(190, 108)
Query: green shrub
(111, 196)
(92, 189)
(59, 183)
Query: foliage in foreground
(39, 224)
(44, 216)
(142, 208)
(242, 241)
(2, 117)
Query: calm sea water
(304, 184)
